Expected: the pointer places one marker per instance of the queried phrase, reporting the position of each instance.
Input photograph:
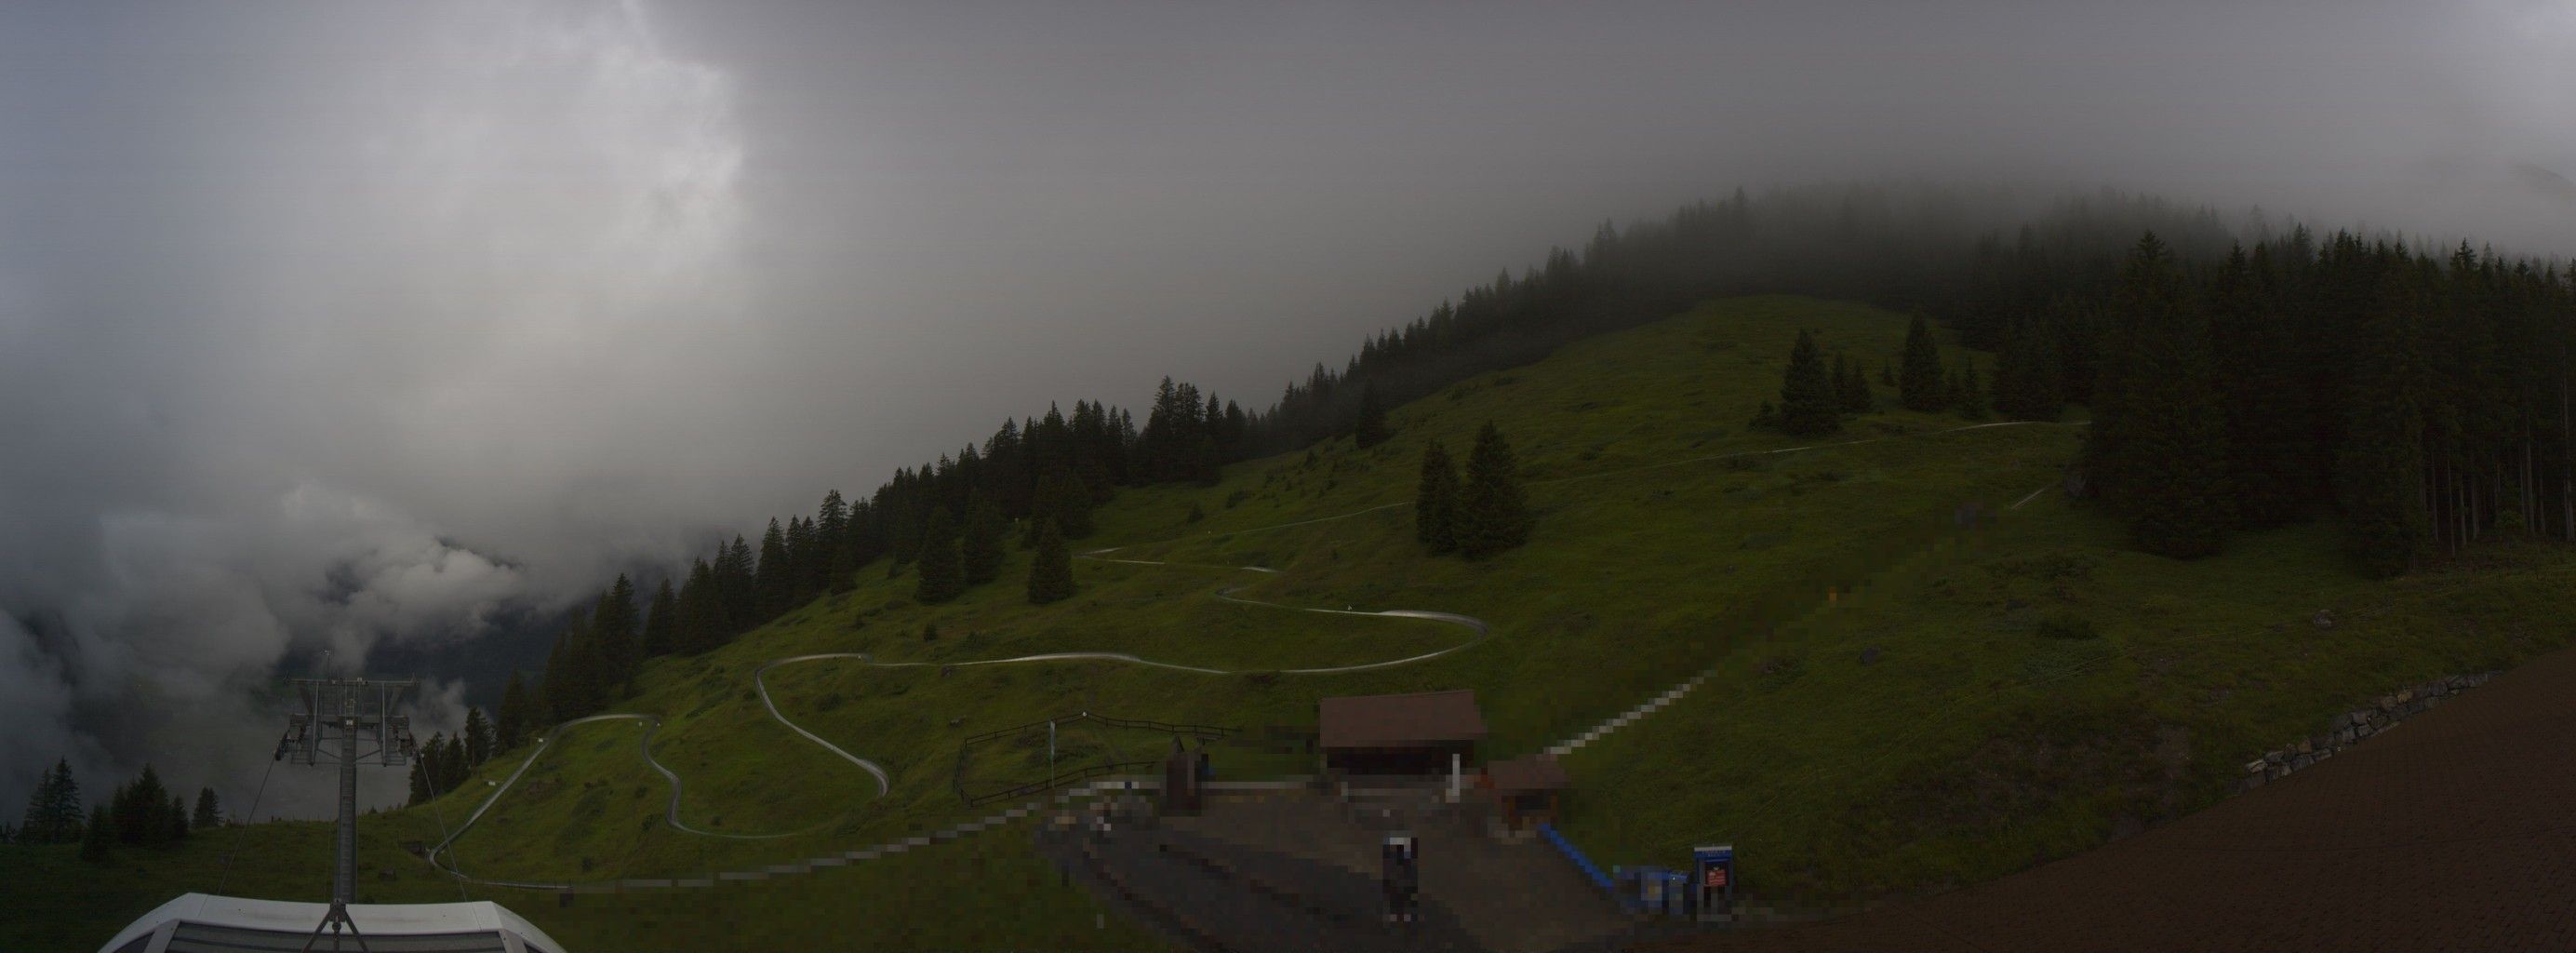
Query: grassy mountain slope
(1670, 539)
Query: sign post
(1713, 870)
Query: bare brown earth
(2455, 830)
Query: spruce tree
(775, 577)
(453, 764)
(99, 837)
(2380, 476)
(2172, 458)
(1063, 498)
(2273, 400)
(1371, 427)
(143, 810)
(177, 824)
(1493, 512)
(1435, 501)
(1851, 387)
(433, 768)
(613, 624)
(737, 591)
(209, 813)
(1886, 373)
(1972, 392)
(420, 778)
(478, 737)
(1919, 382)
(831, 538)
(943, 572)
(566, 678)
(701, 626)
(661, 623)
(53, 809)
(2026, 375)
(981, 547)
(1051, 572)
(903, 538)
(1807, 402)
(802, 548)
(511, 725)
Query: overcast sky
(329, 324)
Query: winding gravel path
(1482, 630)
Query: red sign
(1717, 878)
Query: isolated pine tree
(1051, 572)
(943, 570)
(177, 819)
(980, 549)
(1435, 501)
(210, 814)
(1370, 430)
(1493, 512)
(1919, 382)
(1886, 374)
(1807, 402)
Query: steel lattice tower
(338, 713)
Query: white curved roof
(235, 923)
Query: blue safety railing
(1590, 870)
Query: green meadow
(1917, 683)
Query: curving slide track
(1482, 630)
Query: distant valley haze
(385, 329)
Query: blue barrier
(1584, 864)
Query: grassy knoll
(1941, 728)
(1670, 539)
(1651, 559)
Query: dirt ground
(1511, 897)
(2456, 830)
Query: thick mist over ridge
(332, 327)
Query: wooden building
(1423, 734)
(1525, 790)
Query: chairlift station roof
(204, 923)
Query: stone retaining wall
(2351, 727)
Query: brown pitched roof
(1534, 773)
(1380, 721)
